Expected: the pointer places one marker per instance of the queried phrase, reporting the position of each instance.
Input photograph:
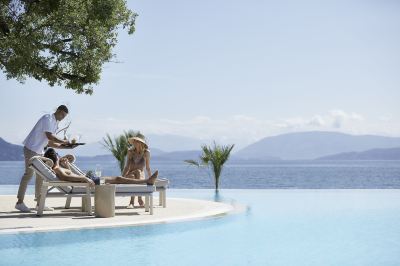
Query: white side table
(104, 200)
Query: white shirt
(37, 139)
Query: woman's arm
(147, 159)
(126, 169)
(127, 163)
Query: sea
(312, 174)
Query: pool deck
(178, 209)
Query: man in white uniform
(42, 134)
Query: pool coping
(210, 210)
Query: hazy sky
(235, 71)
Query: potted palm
(214, 157)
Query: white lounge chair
(132, 189)
(53, 187)
(161, 187)
(75, 189)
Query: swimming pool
(279, 227)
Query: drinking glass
(78, 137)
(98, 173)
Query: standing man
(42, 134)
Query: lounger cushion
(44, 160)
(38, 162)
(123, 188)
(44, 170)
(162, 182)
(134, 188)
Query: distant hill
(293, 146)
(177, 156)
(158, 144)
(91, 149)
(311, 145)
(96, 148)
(163, 156)
(101, 158)
(374, 154)
(10, 152)
(170, 143)
(237, 159)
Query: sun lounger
(161, 183)
(128, 190)
(161, 187)
(53, 187)
(132, 189)
(75, 189)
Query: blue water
(285, 174)
(278, 227)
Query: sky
(235, 72)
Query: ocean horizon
(269, 175)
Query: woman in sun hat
(138, 160)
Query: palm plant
(213, 157)
(119, 145)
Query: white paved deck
(13, 221)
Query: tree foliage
(63, 42)
(213, 157)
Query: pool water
(278, 227)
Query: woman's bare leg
(134, 175)
(138, 175)
(123, 180)
(152, 179)
(132, 201)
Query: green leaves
(65, 42)
(192, 162)
(214, 157)
(118, 146)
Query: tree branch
(65, 40)
(62, 75)
(82, 79)
(66, 53)
(54, 49)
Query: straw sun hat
(133, 139)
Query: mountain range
(374, 154)
(314, 144)
(10, 152)
(158, 143)
(291, 146)
(159, 156)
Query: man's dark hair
(51, 154)
(63, 108)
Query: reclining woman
(62, 171)
(138, 159)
